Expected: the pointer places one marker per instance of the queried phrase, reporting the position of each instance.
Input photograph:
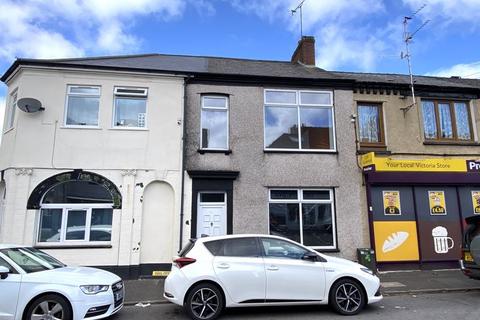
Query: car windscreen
(32, 260)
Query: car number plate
(119, 295)
(467, 256)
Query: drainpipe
(184, 149)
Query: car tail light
(182, 262)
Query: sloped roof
(390, 78)
(179, 64)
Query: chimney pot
(305, 51)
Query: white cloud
(341, 27)
(467, 70)
(30, 27)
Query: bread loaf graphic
(394, 241)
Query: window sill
(81, 127)
(75, 246)
(301, 151)
(203, 151)
(326, 250)
(377, 150)
(451, 143)
(129, 129)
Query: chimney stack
(305, 52)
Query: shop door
(439, 225)
(212, 214)
(394, 224)
(469, 201)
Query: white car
(212, 273)
(34, 286)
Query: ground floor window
(73, 225)
(303, 215)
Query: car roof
(11, 246)
(233, 236)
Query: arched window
(75, 211)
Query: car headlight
(94, 289)
(367, 271)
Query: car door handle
(272, 268)
(223, 266)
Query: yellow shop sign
(425, 165)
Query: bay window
(299, 120)
(303, 215)
(447, 120)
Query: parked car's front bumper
(469, 269)
(97, 306)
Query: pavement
(150, 291)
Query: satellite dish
(30, 105)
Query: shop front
(417, 208)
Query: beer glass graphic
(441, 240)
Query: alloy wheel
(48, 310)
(204, 303)
(348, 297)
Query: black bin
(366, 257)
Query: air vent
(131, 92)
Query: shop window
(299, 120)
(303, 215)
(130, 107)
(82, 106)
(76, 212)
(370, 125)
(214, 123)
(447, 120)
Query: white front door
(211, 214)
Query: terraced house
(130, 156)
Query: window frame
(67, 98)
(453, 116)
(66, 207)
(382, 143)
(133, 96)
(300, 200)
(11, 105)
(298, 106)
(224, 109)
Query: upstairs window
(82, 106)
(214, 131)
(10, 114)
(447, 120)
(299, 120)
(370, 125)
(130, 107)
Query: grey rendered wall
(260, 170)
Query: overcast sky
(351, 35)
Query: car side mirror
(4, 271)
(310, 256)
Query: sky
(351, 35)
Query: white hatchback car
(258, 270)
(34, 285)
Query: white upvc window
(75, 224)
(304, 215)
(82, 106)
(214, 123)
(130, 107)
(299, 120)
(10, 112)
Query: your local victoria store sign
(372, 163)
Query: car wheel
(204, 302)
(347, 297)
(51, 307)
